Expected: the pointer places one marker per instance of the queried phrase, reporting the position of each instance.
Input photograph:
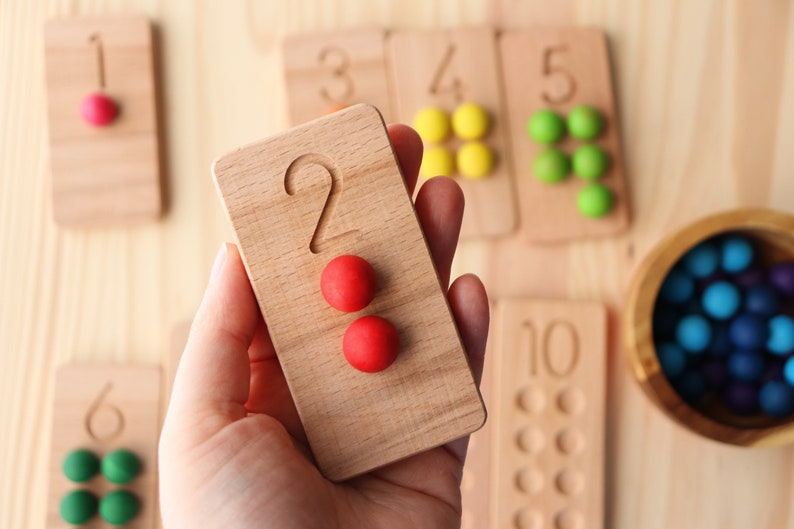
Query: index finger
(408, 149)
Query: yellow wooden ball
(470, 121)
(432, 124)
(437, 161)
(475, 160)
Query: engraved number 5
(565, 86)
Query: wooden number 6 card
(352, 299)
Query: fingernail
(217, 266)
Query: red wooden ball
(371, 344)
(98, 110)
(348, 283)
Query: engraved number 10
(555, 350)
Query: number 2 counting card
(346, 284)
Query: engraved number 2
(319, 238)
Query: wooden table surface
(705, 90)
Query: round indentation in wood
(531, 440)
(569, 482)
(528, 518)
(570, 441)
(571, 401)
(529, 480)
(531, 399)
(569, 519)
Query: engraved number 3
(339, 62)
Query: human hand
(233, 453)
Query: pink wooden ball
(98, 110)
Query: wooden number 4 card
(297, 202)
(452, 78)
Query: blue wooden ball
(737, 253)
(788, 371)
(672, 359)
(693, 333)
(721, 300)
(677, 287)
(776, 398)
(749, 331)
(781, 335)
(702, 260)
(746, 366)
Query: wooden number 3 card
(346, 284)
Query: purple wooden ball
(741, 398)
(774, 368)
(781, 276)
(762, 300)
(749, 278)
(715, 373)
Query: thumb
(214, 372)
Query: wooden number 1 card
(297, 201)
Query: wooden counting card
(101, 415)
(103, 127)
(328, 71)
(299, 200)
(445, 69)
(548, 423)
(558, 70)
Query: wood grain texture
(109, 174)
(102, 408)
(462, 65)
(327, 70)
(512, 14)
(298, 200)
(700, 85)
(549, 422)
(559, 69)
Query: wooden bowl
(773, 236)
